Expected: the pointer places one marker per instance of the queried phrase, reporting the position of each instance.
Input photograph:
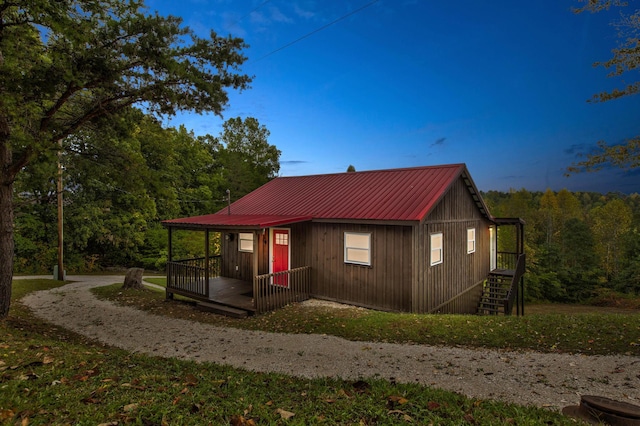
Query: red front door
(280, 253)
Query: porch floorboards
(231, 292)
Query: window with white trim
(471, 240)
(357, 248)
(245, 242)
(436, 248)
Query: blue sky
(501, 86)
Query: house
(411, 240)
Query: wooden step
(491, 305)
(496, 290)
(494, 297)
(222, 309)
(488, 311)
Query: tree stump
(133, 279)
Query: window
(357, 248)
(471, 240)
(245, 242)
(282, 239)
(436, 248)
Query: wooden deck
(187, 278)
(504, 272)
(232, 292)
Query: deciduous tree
(577, 261)
(611, 223)
(625, 60)
(248, 159)
(107, 205)
(65, 63)
(549, 216)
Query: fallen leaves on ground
(190, 380)
(285, 414)
(6, 414)
(407, 418)
(237, 420)
(397, 400)
(130, 407)
(361, 386)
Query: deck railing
(507, 260)
(273, 291)
(512, 295)
(462, 302)
(188, 277)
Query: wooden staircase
(221, 309)
(504, 289)
(495, 292)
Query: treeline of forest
(578, 244)
(121, 178)
(121, 181)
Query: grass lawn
(51, 376)
(544, 328)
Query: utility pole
(60, 276)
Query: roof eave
(475, 194)
(397, 222)
(269, 222)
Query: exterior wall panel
(438, 287)
(386, 284)
(239, 265)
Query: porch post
(256, 247)
(168, 294)
(206, 262)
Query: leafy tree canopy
(248, 160)
(576, 242)
(66, 63)
(625, 60)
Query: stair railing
(513, 289)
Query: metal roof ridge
(433, 202)
(438, 166)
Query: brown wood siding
(300, 238)
(386, 284)
(232, 257)
(299, 235)
(459, 271)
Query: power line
(248, 14)
(317, 30)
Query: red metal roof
(383, 195)
(235, 221)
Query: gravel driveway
(528, 378)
